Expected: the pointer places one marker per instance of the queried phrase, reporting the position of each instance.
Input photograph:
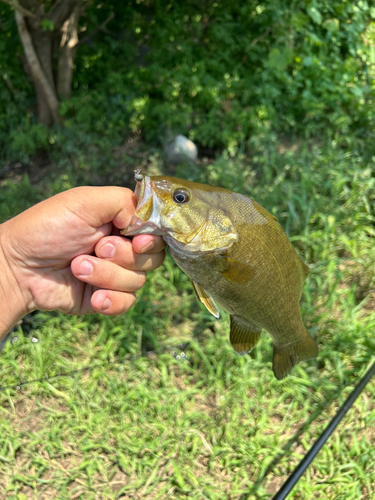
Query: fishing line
(171, 350)
(53, 377)
(317, 446)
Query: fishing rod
(316, 447)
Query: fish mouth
(146, 218)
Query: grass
(103, 421)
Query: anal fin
(205, 298)
(243, 336)
(284, 358)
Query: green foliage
(221, 71)
(16, 93)
(218, 71)
(28, 140)
(47, 25)
(16, 197)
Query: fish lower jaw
(138, 226)
(186, 250)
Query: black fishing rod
(316, 447)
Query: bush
(217, 71)
(220, 71)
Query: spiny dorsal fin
(243, 336)
(286, 357)
(205, 298)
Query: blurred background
(279, 99)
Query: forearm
(12, 303)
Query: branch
(8, 83)
(256, 40)
(86, 38)
(16, 6)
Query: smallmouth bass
(236, 255)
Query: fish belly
(260, 301)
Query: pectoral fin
(243, 336)
(236, 271)
(205, 298)
(284, 358)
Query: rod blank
(316, 447)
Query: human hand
(65, 253)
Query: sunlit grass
(107, 423)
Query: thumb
(100, 205)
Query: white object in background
(179, 149)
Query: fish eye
(181, 196)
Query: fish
(236, 255)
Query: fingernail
(107, 251)
(106, 305)
(148, 247)
(85, 268)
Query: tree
(49, 34)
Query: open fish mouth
(146, 219)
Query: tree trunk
(68, 48)
(42, 109)
(45, 47)
(40, 66)
(42, 41)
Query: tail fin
(284, 358)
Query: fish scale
(236, 255)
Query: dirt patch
(275, 484)
(37, 168)
(362, 277)
(30, 416)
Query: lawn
(155, 404)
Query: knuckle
(141, 279)
(133, 261)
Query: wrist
(12, 302)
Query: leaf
(314, 13)
(308, 61)
(47, 25)
(331, 25)
(357, 91)
(280, 59)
